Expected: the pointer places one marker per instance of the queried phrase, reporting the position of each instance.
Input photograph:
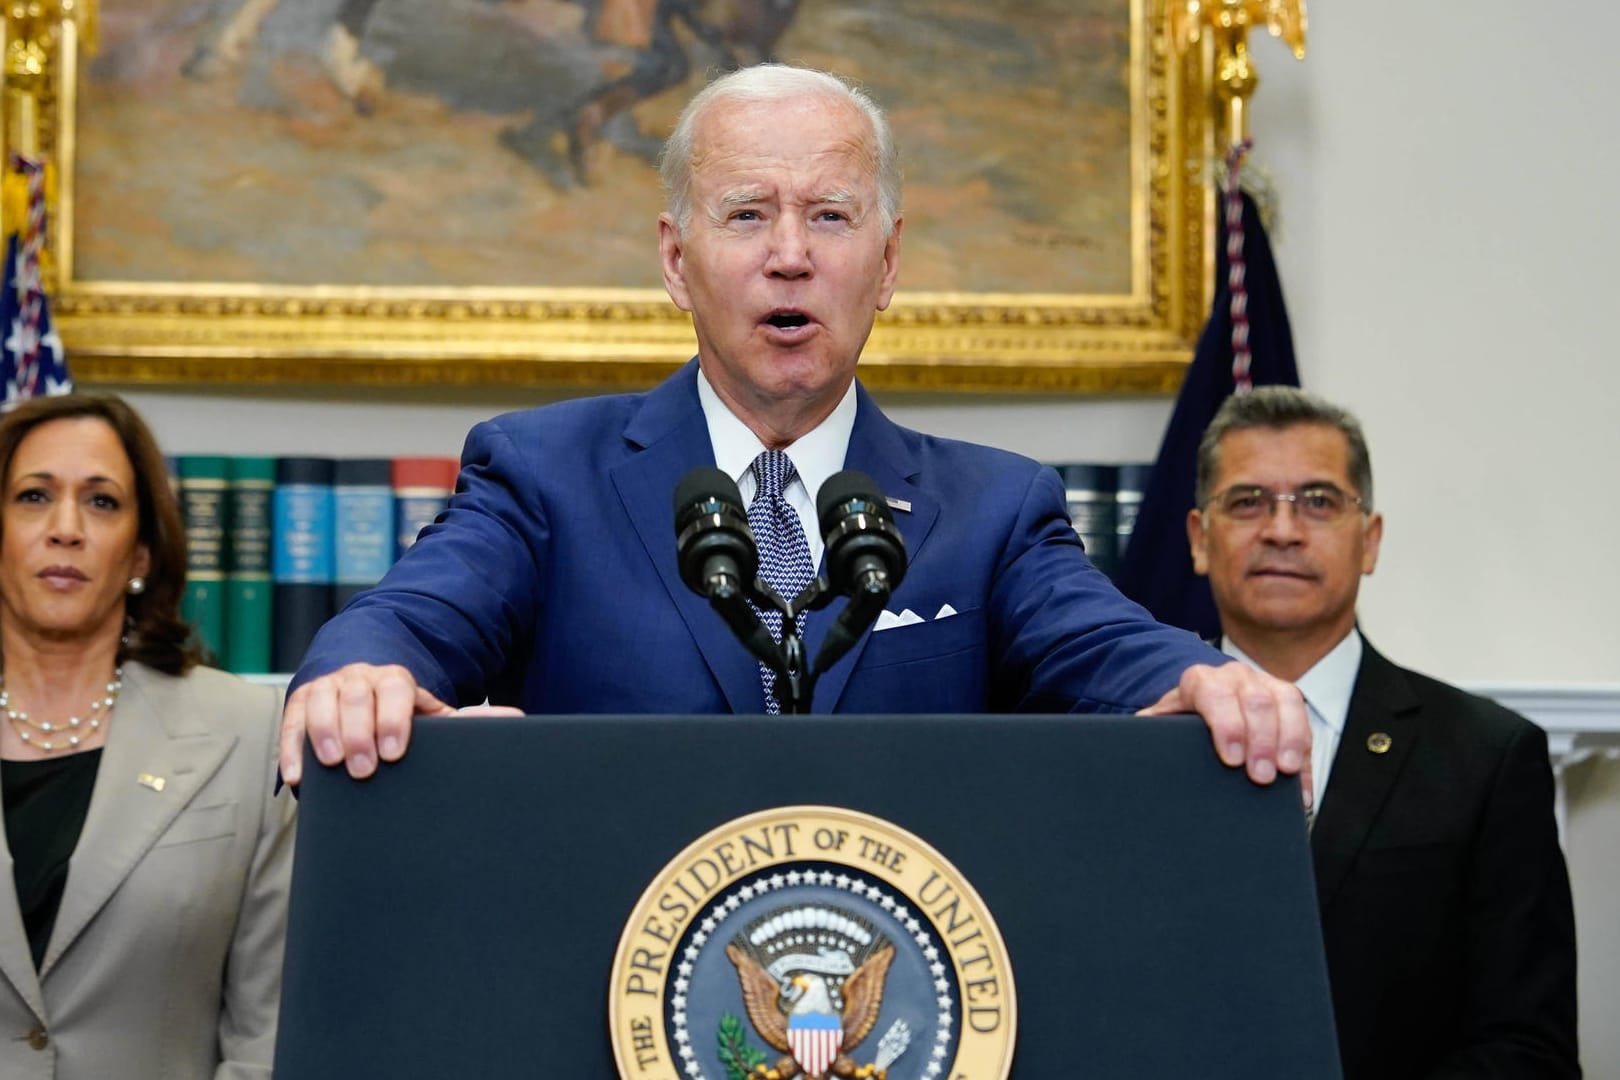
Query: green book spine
(249, 616)
(203, 507)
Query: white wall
(1590, 842)
(1449, 254)
(1448, 243)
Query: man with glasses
(1445, 902)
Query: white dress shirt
(1326, 687)
(815, 456)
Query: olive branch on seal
(735, 1054)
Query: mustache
(1272, 564)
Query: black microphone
(718, 557)
(866, 557)
(865, 552)
(712, 540)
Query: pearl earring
(137, 585)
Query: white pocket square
(945, 612)
(888, 620)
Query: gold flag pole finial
(1228, 22)
(30, 47)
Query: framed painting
(465, 191)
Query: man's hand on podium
(1255, 719)
(360, 714)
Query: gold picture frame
(1137, 339)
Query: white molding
(1580, 719)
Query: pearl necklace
(51, 734)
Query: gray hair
(770, 83)
(1278, 407)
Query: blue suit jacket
(551, 581)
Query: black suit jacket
(1445, 901)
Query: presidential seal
(811, 942)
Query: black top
(45, 806)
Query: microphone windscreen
(843, 488)
(705, 484)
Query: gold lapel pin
(1379, 742)
(146, 779)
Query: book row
(1103, 503)
(276, 545)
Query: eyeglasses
(1319, 504)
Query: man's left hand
(1256, 720)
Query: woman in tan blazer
(144, 880)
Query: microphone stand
(788, 660)
(795, 677)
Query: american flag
(31, 358)
(1247, 342)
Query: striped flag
(815, 1039)
(1246, 342)
(31, 358)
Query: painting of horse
(513, 143)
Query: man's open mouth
(788, 320)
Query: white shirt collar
(1327, 686)
(816, 455)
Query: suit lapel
(16, 962)
(1361, 780)
(672, 438)
(156, 732)
(879, 448)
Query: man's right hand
(357, 714)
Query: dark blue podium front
(457, 915)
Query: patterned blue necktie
(784, 556)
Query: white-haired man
(551, 584)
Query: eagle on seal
(802, 1023)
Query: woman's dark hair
(156, 635)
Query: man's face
(1282, 572)
(784, 264)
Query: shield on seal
(815, 1038)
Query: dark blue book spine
(1132, 482)
(1089, 489)
(304, 563)
(363, 495)
(422, 489)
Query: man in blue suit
(551, 583)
